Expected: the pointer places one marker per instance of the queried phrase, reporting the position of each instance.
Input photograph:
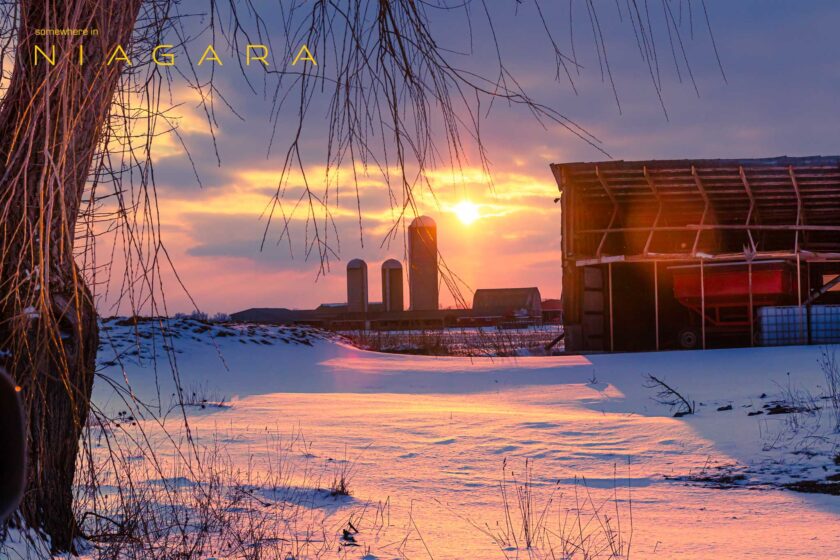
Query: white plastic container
(825, 324)
(782, 325)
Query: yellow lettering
(168, 58)
(51, 60)
(118, 55)
(304, 55)
(261, 58)
(214, 57)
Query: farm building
(520, 304)
(700, 253)
(552, 311)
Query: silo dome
(356, 263)
(423, 221)
(392, 263)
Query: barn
(700, 253)
(521, 304)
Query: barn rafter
(720, 209)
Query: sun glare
(466, 211)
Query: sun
(466, 211)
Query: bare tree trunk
(51, 120)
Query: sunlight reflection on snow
(374, 363)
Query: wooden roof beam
(799, 220)
(752, 206)
(710, 227)
(700, 188)
(717, 257)
(655, 192)
(609, 192)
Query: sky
(778, 97)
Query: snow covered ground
(425, 443)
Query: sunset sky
(780, 97)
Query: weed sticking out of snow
(19, 542)
(199, 396)
(343, 471)
(721, 476)
(540, 521)
(831, 371)
(187, 501)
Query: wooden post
(799, 220)
(656, 298)
(752, 320)
(610, 280)
(799, 292)
(703, 302)
(699, 184)
(808, 288)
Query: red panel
(730, 285)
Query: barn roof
(552, 305)
(779, 206)
(779, 161)
(505, 299)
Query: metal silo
(357, 286)
(423, 264)
(392, 285)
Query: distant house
(552, 311)
(332, 308)
(270, 315)
(326, 315)
(511, 303)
